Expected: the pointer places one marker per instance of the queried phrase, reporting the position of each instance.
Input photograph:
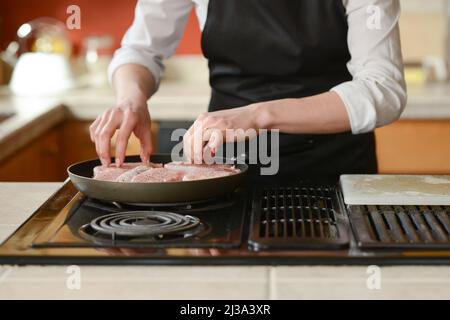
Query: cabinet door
(47, 157)
(416, 147)
(76, 142)
(41, 160)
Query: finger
(208, 155)
(100, 125)
(93, 127)
(215, 139)
(146, 146)
(207, 151)
(104, 138)
(129, 121)
(143, 133)
(198, 142)
(187, 145)
(102, 122)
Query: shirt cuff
(359, 105)
(129, 56)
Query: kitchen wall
(423, 23)
(97, 17)
(424, 29)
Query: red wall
(97, 17)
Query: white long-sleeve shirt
(376, 96)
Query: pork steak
(155, 172)
(128, 175)
(206, 174)
(123, 173)
(158, 175)
(194, 168)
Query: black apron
(261, 50)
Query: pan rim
(113, 183)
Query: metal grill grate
(296, 217)
(402, 227)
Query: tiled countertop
(19, 200)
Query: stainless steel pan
(81, 176)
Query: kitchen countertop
(427, 102)
(19, 200)
(176, 100)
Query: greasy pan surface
(81, 176)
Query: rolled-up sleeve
(376, 96)
(154, 35)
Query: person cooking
(326, 73)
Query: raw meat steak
(128, 175)
(194, 168)
(155, 172)
(111, 173)
(158, 175)
(206, 174)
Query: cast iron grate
(297, 217)
(401, 227)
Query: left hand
(209, 131)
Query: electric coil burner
(141, 226)
(286, 223)
(90, 223)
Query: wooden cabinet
(416, 147)
(47, 157)
(40, 160)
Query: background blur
(98, 17)
(53, 84)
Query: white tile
(357, 290)
(146, 273)
(136, 290)
(138, 283)
(20, 200)
(402, 282)
(6, 230)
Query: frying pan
(161, 192)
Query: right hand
(127, 118)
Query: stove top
(142, 227)
(289, 223)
